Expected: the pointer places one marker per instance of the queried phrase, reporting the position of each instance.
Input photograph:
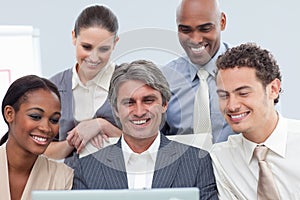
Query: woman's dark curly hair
(252, 56)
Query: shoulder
(178, 72)
(99, 157)
(189, 152)
(55, 166)
(60, 174)
(227, 148)
(61, 76)
(293, 125)
(175, 64)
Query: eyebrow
(41, 110)
(143, 98)
(235, 90)
(199, 26)
(126, 100)
(36, 108)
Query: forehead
(197, 12)
(42, 98)
(95, 35)
(232, 78)
(136, 89)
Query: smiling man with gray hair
(143, 157)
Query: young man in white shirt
(248, 86)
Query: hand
(98, 140)
(95, 131)
(83, 133)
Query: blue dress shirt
(184, 82)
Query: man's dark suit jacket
(177, 165)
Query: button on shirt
(140, 167)
(182, 77)
(90, 97)
(237, 171)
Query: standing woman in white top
(86, 112)
(31, 109)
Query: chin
(237, 129)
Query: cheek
(55, 129)
(105, 56)
(81, 53)
(183, 38)
(157, 109)
(222, 105)
(122, 112)
(213, 36)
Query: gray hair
(140, 70)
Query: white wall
(272, 24)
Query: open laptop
(124, 194)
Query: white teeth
(238, 116)
(198, 49)
(92, 63)
(139, 122)
(40, 139)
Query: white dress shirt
(90, 97)
(236, 170)
(140, 167)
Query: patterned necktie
(202, 123)
(266, 188)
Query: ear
(275, 88)
(9, 113)
(116, 40)
(164, 107)
(223, 21)
(73, 38)
(116, 112)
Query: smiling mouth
(92, 64)
(39, 139)
(140, 122)
(198, 50)
(238, 117)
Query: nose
(94, 55)
(196, 37)
(45, 126)
(233, 105)
(139, 110)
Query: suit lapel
(166, 165)
(114, 168)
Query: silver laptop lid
(124, 194)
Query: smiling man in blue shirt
(200, 23)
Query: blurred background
(148, 31)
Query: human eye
(104, 49)
(35, 117)
(206, 28)
(243, 93)
(223, 95)
(149, 100)
(86, 46)
(54, 120)
(184, 29)
(128, 102)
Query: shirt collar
(210, 67)
(75, 78)
(102, 79)
(152, 150)
(276, 142)
(248, 148)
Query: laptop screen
(124, 194)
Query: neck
(18, 160)
(139, 145)
(261, 134)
